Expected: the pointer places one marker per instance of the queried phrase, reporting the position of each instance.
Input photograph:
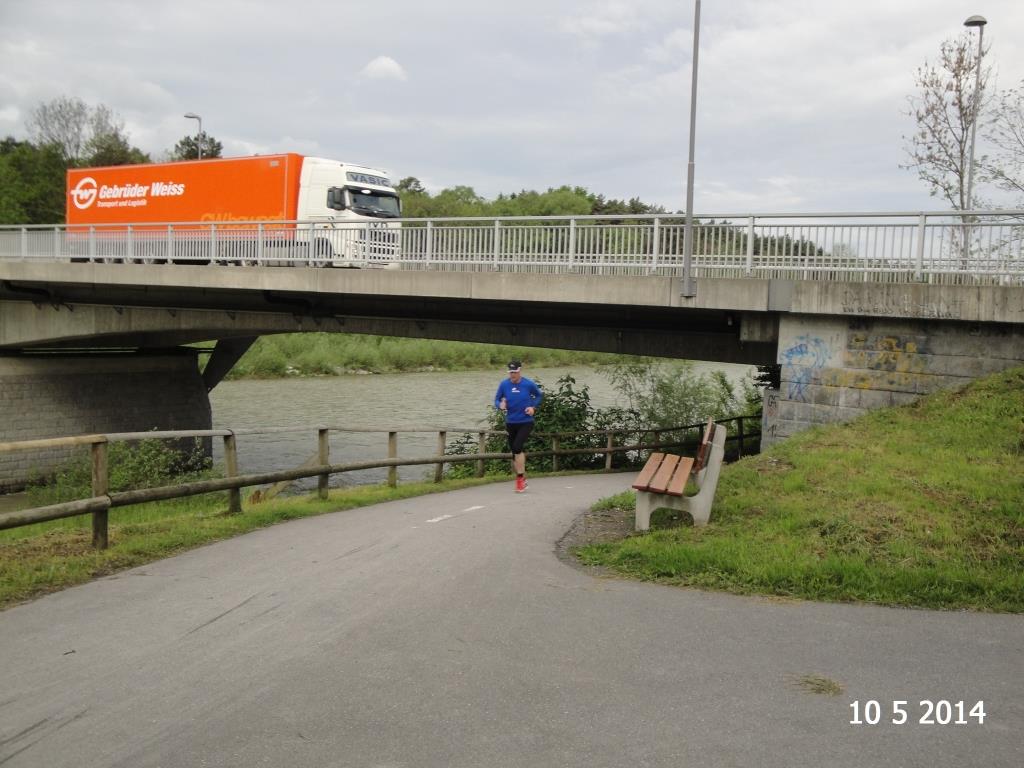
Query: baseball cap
(514, 365)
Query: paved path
(443, 631)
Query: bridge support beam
(835, 369)
(224, 356)
(58, 395)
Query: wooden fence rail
(103, 499)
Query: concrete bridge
(852, 329)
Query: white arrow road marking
(448, 517)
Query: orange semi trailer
(275, 209)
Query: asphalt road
(444, 631)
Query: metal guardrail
(103, 499)
(973, 247)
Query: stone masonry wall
(58, 396)
(835, 369)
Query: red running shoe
(520, 484)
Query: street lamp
(199, 138)
(979, 22)
(688, 287)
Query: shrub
(145, 464)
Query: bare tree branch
(944, 109)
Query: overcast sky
(801, 104)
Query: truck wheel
(149, 257)
(324, 253)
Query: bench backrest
(705, 446)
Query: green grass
(921, 505)
(317, 354)
(46, 557)
(818, 684)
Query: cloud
(799, 104)
(384, 68)
(598, 22)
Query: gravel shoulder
(593, 527)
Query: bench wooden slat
(677, 485)
(644, 478)
(664, 474)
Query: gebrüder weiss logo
(84, 193)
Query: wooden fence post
(554, 454)
(231, 470)
(481, 446)
(393, 454)
(608, 456)
(100, 487)
(442, 441)
(324, 457)
(739, 436)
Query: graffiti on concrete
(770, 414)
(902, 306)
(807, 355)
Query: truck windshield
(371, 203)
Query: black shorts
(517, 434)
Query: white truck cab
(351, 207)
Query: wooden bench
(662, 481)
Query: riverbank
(921, 506)
(332, 354)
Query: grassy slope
(921, 505)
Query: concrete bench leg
(644, 507)
(647, 502)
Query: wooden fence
(102, 499)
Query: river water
(432, 400)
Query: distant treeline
(417, 202)
(328, 354)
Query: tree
(84, 135)
(563, 201)
(62, 122)
(11, 210)
(1005, 131)
(944, 109)
(188, 147)
(671, 394)
(113, 149)
(415, 198)
(411, 185)
(31, 183)
(457, 201)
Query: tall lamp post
(688, 287)
(199, 138)
(979, 22)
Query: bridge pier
(56, 395)
(835, 369)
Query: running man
(518, 398)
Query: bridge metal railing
(975, 247)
